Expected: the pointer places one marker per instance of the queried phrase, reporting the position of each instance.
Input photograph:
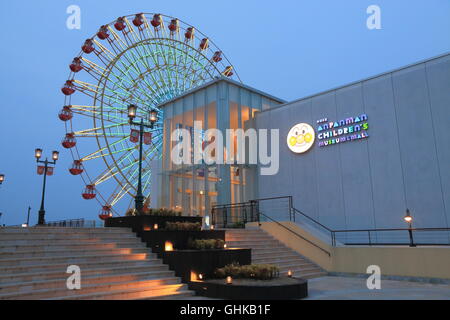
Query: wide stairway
(268, 250)
(114, 265)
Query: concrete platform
(347, 288)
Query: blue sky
(288, 48)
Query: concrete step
(310, 275)
(64, 230)
(158, 293)
(64, 236)
(160, 269)
(246, 238)
(280, 261)
(74, 259)
(269, 253)
(59, 253)
(46, 293)
(60, 242)
(83, 265)
(284, 268)
(60, 283)
(72, 246)
(257, 246)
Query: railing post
(225, 218)
(291, 213)
(370, 240)
(245, 214)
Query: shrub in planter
(254, 271)
(206, 244)
(154, 212)
(183, 226)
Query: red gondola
(105, 213)
(89, 192)
(77, 168)
(120, 24)
(76, 65)
(228, 72)
(204, 44)
(217, 57)
(138, 20)
(69, 141)
(103, 32)
(173, 26)
(65, 114)
(88, 46)
(189, 35)
(68, 89)
(156, 21)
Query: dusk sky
(288, 48)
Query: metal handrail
(298, 235)
(311, 219)
(293, 211)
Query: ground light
(168, 246)
(229, 280)
(2, 178)
(289, 273)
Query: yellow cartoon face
(301, 138)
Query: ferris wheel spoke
(94, 112)
(101, 152)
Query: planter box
(156, 239)
(298, 289)
(203, 261)
(139, 223)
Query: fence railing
(75, 223)
(279, 209)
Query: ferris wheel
(143, 60)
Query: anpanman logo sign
(301, 138)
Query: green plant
(130, 212)
(183, 226)
(254, 271)
(154, 212)
(238, 225)
(206, 244)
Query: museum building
(354, 157)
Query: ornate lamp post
(408, 219)
(152, 118)
(46, 162)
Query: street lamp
(152, 118)
(408, 219)
(55, 157)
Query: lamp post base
(139, 204)
(41, 219)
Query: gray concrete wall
(405, 162)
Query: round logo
(301, 138)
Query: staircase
(114, 263)
(268, 250)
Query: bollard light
(2, 178)
(408, 218)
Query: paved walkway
(346, 288)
